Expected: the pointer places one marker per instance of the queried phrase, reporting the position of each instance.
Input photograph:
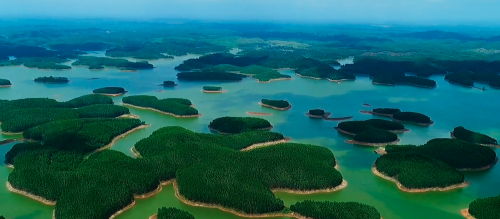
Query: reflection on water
(448, 105)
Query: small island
(110, 91)
(171, 213)
(328, 209)
(213, 89)
(275, 104)
(483, 208)
(401, 79)
(52, 80)
(318, 114)
(168, 84)
(209, 76)
(5, 83)
(235, 125)
(398, 116)
(434, 166)
(177, 107)
(356, 127)
(459, 78)
(473, 137)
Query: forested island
(261, 73)
(402, 79)
(22, 114)
(398, 116)
(434, 166)
(110, 91)
(168, 84)
(5, 83)
(211, 60)
(276, 104)
(317, 113)
(373, 132)
(473, 137)
(330, 210)
(177, 107)
(213, 89)
(247, 191)
(209, 76)
(137, 52)
(483, 208)
(52, 80)
(235, 125)
(310, 68)
(100, 62)
(171, 213)
(459, 78)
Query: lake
(448, 105)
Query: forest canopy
(173, 213)
(109, 90)
(235, 125)
(52, 80)
(5, 82)
(176, 106)
(473, 137)
(330, 210)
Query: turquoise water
(448, 105)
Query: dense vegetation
(276, 103)
(209, 76)
(5, 82)
(235, 125)
(312, 68)
(330, 210)
(317, 112)
(169, 84)
(389, 111)
(212, 88)
(210, 60)
(241, 180)
(88, 46)
(412, 117)
(137, 52)
(473, 137)
(435, 163)
(173, 213)
(357, 127)
(258, 72)
(394, 79)
(52, 63)
(485, 208)
(459, 78)
(109, 90)
(375, 136)
(20, 115)
(51, 79)
(176, 106)
(99, 62)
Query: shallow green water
(448, 105)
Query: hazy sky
(293, 10)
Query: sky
(396, 11)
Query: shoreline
(7, 141)
(29, 195)
(266, 144)
(4, 86)
(342, 131)
(302, 76)
(338, 81)
(465, 213)
(481, 168)
(274, 79)
(488, 145)
(319, 117)
(11, 133)
(259, 114)
(159, 111)
(115, 139)
(131, 116)
(112, 95)
(122, 210)
(214, 91)
(343, 185)
(416, 123)
(409, 84)
(404, 189)
(338, 118)
(374, 113)
(372, 144)
(223, 133)
(275, 108)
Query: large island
(110, 91)
(177, 107)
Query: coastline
(123, 210)
(343, 185)
(275, 79)
(338, 81)
(319, 117)
(403, 188)
(481, 168)
(4, 86)
(115, 139)
(372, 144)
(275, 108)
(374, 113)
(214, 91)
(465, 213)
(132, 116)
(7, 141)
(29, 195)
(259, 114)
(159, 111)
(11, 133)
(338, 118)
(223, 133)
(342, 131)
(488, 145)
(302, 76)
(266, 144)
(113, 95)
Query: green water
(448, 105)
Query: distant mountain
(308, 36)
(436, 35)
